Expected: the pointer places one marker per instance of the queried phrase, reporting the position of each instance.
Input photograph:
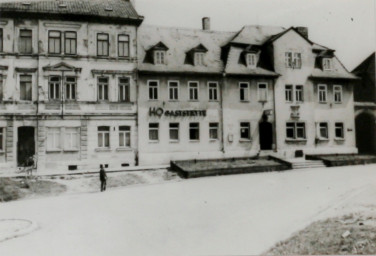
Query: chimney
(303, 31)
(206, 23)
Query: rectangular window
(70, 88)
(25, 41)
(102, 88)
(288, 93)
(159, 57)
(53, 138)
(337, 91)
(263, 92)
(323, 131)
(251, 60)
(295, 130)
(1, 40)
(322, 93)
(193, 90)
(173, 90)
(174, 131)
(1, 88)
(339, 131)
(297, 60)
(103, 136)
(299, 93)
(199, 58)
(288, 60)
(153, 90)
(213, 91)
(245, 131)
(124, 89)
(54, 42)
(54, 88)
(327, 63)
(2, 139)
(244, 91)
(153, 131)
(71, 138)
(25, 87)
(70, 43)
(124, 136)
(213, 131)
(194, 131)
(102, 44)
(123, 46)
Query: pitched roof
(338, 72)
(107, 9)
(256, 35)
(367, 65)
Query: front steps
(308, 164)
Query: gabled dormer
(250, 56)
(196, 56)
(324, 59)
(156, 54)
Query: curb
(17, 233)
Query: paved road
(240, 214)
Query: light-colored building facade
(68, 83)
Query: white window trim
(217, 128)
(61, 141)
(292, 93)
(196, 58)
(294, 59)
(295, 93)
(178, 129)
(129, 44)
(18, 86)
(178, 88)
(249, 132)
(198, 90)
(148, 83)
(319, 130)
(296, 138)
(157, 129)
(108, 88)
(189, 132)
(343, 131)
(130, 88)
(96, 44)
(217, 90)
(330, 63)
(66, 148)
(248, 56)
(247, 95)
(258, 92)
(156, 62)
(125, 132)
(334, 93)
(109, 137)
(326, 93)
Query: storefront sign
(176, 113)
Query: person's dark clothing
(103, 179)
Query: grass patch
(350, 234)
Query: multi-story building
(68, 83)
(207, 94)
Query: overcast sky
(348, 26)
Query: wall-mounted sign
(176, 113)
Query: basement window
(72, 167)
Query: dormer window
(199, 58)
(251, 60)
(159, 57)
(327, 63)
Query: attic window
(159, 57)
(109, 8)
(250, 60)
(327, 63)
(199, 58)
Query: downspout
(221, 109)
(62, 94)
(275, 118)
(37, 110)
(136, 81)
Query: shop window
(244, 91)
(70, 88)
(337, 92)
(103, 137)
(25, 87)
(213, 131)
(322, 92)
(153, 90)
(54, 42)
(123, 46)
(53, 138)
(288, 93)
(25, 41)
(194, 131)
(71, 138)
(102, 88)
(174, 131)
(339, 131)
(193, 90)
(102, 44)
(245, 131)
(299, 93)
(124, 89)
(173, 90)
(263, 92)
(153, 131)
(124, 136)
(213, 91)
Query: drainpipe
(37, 110)
(62, 94)
(275, 118)
(221, 109)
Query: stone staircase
(307, 164)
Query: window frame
(175, 89)
(24, 39)
(71, 92)
(337, 89)
(195, 89)
(245, 91)
(102, 41)
(289, 92)
(120, 42)
(299, 99)
(327, 64)
(76, 132)
(159, 57)
(199, 58)
(216, 90)
(214, 126)
(295, 59)
(153, 129)
(126, 131)
(55, 39)
(99, 84)
(155, 89)
(190, 128)
(1, 40)
(295, 126)
(259, 92)
(70, 39)
(56, 134)
(1, 87)
(126, 89)
(2, 139)
(171, 129)
(54, 87)
(245, 125)
(104, 134)
(326, 127)
(325, 91)
(31, 87)
(342, 127)
(251, 60)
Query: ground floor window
(339, 131)
(213, 131)
(72, 137)
(153, 131)
(103, 137)
(53, 138)
(2, 138)
(245, 130)
(124, 136)
(323, 131)
(295, 130)
(194, 131)
(174, 131)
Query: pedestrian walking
(103, 178)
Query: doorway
(365, 133)
(266, 135)
(25, 144)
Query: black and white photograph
(187, 127)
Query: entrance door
(25, 144)
(365, 133)
(266, 135)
